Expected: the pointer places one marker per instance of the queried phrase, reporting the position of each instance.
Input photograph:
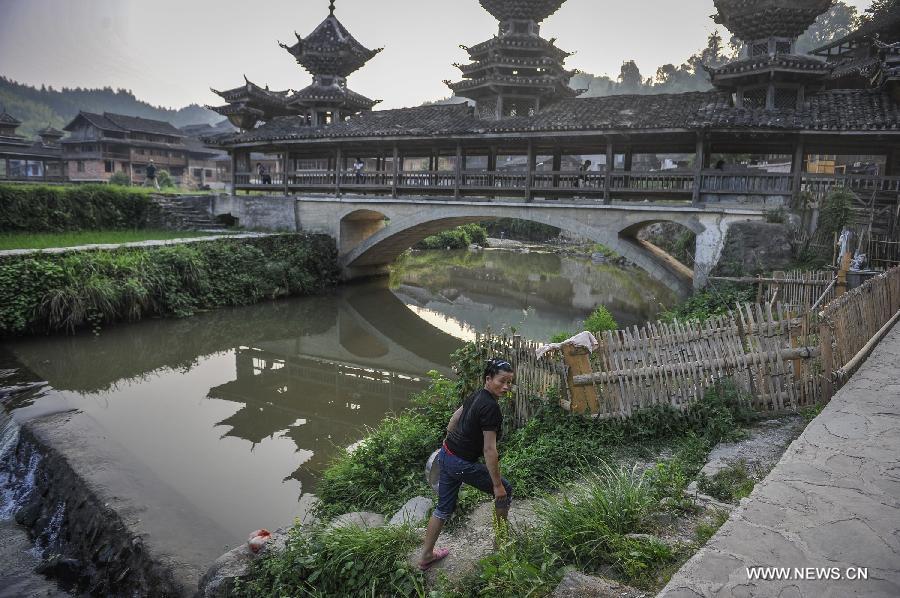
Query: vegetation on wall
(836, 212)
(715, 300)
(520, 230)
(66, 292)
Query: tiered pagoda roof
(330, 53)
(770, 74)
(330, 49)
(517, 71)
(752, 20)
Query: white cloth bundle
(582, 339)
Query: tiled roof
(330, 50)
(317, 93)
(121, 123)
(98, 120)
(49, 131)
(759, 19)
(839, 110)
(143, 125)
(781, 61)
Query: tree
(837, 22)
(880, 8)
(630, 78)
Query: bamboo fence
(782, 356)
(798, 289)
(854, 322)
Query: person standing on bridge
(358, 167)
(473, 432)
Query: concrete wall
(260, 212)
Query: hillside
(37, 108)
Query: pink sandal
(439, 555)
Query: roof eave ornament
(331, 8)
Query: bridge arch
(384, 246)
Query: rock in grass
(415, 511)
(219, 581)
(578, 585)
(360, 519)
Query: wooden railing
(575, 183)
(652, 181)
(762, 183)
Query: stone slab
(832, 502)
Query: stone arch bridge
(372, 232)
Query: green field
(72, 239)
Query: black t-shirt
(481, 413)
(151, 171)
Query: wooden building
(770, 102)
(99, 145)
(29, 160)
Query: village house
(99, 145)
(21, 159)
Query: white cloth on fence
(582, 339)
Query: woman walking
(473, 432)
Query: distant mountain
(37, 108)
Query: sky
(170, 52)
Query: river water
(234, 413)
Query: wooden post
(395, 166)
(584, 400)
(284, 170)
(841, 286)
(529, 175)
(557, 166)
(610, 167)
(338, 171)
(233, 172)
(698, 167)
(457, 183)
(797, 169)
(827, 361)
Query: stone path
(833, 501)
(152, 243)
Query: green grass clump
(346, 561)
(730, 484)
(707, 529)
(72, 239)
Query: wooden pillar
(529, 174)
(827, 361)
(233, 172)
(584, 399)
(338, 170)
(698, 166)
(797, 169)
(628, 156)
(395, 166)
(610, 167)
(284, 170)
(459, 168)
(557, 165)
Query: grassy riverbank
(74, 239)
(66, 292)
(585, 526)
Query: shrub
(120, 178)
(777, 215)
(600, 320)
(165, 179)
(520, 230)
(457, 238)
(836, 211)
(47, 293)
(35, 208)
(714, 301)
